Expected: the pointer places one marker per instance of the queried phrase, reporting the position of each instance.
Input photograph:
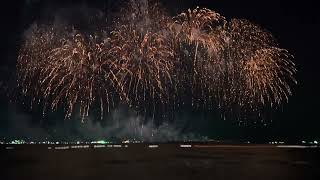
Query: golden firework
(257, 71)
(140, 43)
(197, 34)
(155, 63)
(68, 69)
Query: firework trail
(155, 63)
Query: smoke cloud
(120, 126)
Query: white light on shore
(153, 146)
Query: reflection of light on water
(99, 146)
(80, 147)
(296, 146)
(185, 145)
(62, 148)
(188, 144)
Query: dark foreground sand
(32, 162)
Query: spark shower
(153, 62)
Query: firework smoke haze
(154, 63)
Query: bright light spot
(126, 142)
(100, 142)
(153, 146)
(62, 148)
(185, 146)
(99, 146)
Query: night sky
(295, 24)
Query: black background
(295, 24)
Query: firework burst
(200, 44)
(140, 43)
(155, 63)
(40, 40)
(69, 69)
(257, 71)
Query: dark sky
(295, 24)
